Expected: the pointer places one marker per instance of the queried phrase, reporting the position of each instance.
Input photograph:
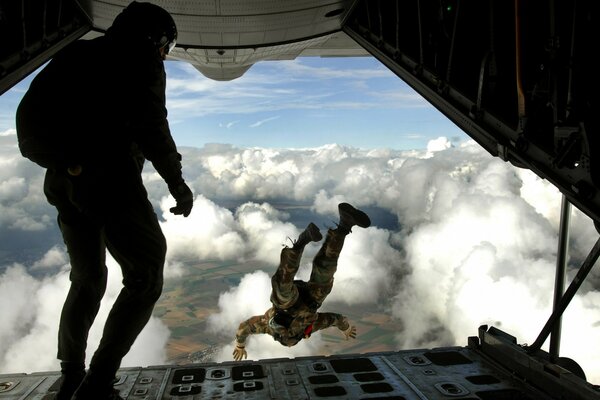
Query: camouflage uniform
(294, 313)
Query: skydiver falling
(294, 315)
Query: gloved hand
(239, 352)
(184, 198)
(351, 331)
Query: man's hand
(350, 332)
(239, 352)
(184, 198)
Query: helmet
(145, 24)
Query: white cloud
(13, 189)
(439, 144)
(228, 125)
(17, 288)
(23, 205)
(209, 231)
(250, 297)
(9, 132)
(262, 122)
(365, 266)
(55, 257)
(474, 242)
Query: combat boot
(350, 216)
(97, 386)
(72, 374)
(310, 234)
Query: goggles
(169, 46)
(165, 45)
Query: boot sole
(359, 217)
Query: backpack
(36, 143)
(44, 133)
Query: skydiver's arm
(147, 114)
(255, 324)
(151, 132)
(325, 320)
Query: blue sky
(306, 102)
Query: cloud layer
(459, 239)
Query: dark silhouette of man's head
(144, 27)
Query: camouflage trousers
(285, 292)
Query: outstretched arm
(255, 324)
(325, 320)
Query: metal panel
(230, 23)
(493, 369)
(32, 32)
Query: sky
(459, 238)
(306, 102)
(303, 103)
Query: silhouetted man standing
(91, 117)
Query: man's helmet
(145, 24)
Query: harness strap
(308, 331)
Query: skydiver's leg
(88, 275)
(326, 260)
(284, 293)
(134, 238)
(88, 283)
(87, 253)
(325, 265)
